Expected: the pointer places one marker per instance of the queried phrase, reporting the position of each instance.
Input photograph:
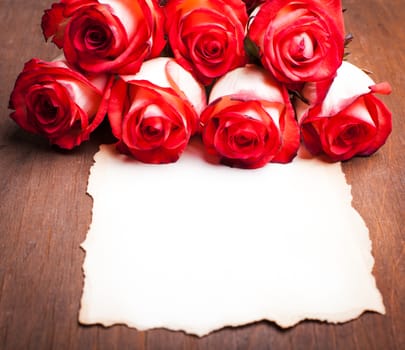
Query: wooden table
(45, 213)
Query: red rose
(55, 101)
(154, 113)
(299, 41)
(350, 121)
(106, 36)
(249, 120)
(207, 37)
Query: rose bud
(154, 113)
(299, 41)
(350, 121)
(207, 37)
(52, 100)
(106, 36)
(249, 120)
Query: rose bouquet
(254, 79)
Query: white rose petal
(152, 71)
(249, 81)
(186, 83)
(350, 83)
(166, 73)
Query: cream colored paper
(197, 246)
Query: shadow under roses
(27, 142)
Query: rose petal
(151, 70)
(350, 83)
(183, 81)
(176, 77)
(251, 82)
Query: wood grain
(45, 213)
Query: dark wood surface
(45, 213)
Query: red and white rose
(299, 41)
(350, 121)
(249, 120)
(154, 113)
(55, 101)
(207, 37)
(106, 35)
